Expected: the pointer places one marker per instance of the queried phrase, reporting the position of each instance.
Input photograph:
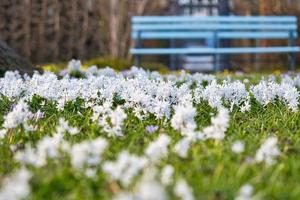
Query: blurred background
(98, 31)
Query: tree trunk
(10, 60)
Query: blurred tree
(52, 30)
(119, 20)
(9, 60)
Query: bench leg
(172, 57)
(256, 62)
(292, 61)
(257, 57)
(172, 62)
(138, 61)
(292, 55)
(216, 62)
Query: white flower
(111, 120)
(158, 148)
(150, 190)
(245, 193)
(238, 147)
(17, 116)
(117, 118)
(219, 125)
(91, 70)
(268, 151)
(246, 80)
(63, 126)
(245, 106)
(167, 175)
(29, 156)
(87, 153)
(74, 65)
(182, 147)
(90, 172)
(125, 168)
(124, 196)
(16, 186)
(2, 133)
(183, 191)
(147, 188)
(183, 119)
(29, 127)
(38, 115)
(48, 147)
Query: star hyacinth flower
(151, 128)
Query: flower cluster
(230, 93)
(111, 102)
(12, 85)
(46, 148)
(110, 120)
(269, 92)
(19, 115)
(148, 92)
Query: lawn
(142, 135)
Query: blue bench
(215, 29)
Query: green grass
(211, 168)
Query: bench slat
(214, 27)
(160, 19)
(221, 35)
(233, 50)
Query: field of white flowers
(138, 135)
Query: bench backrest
(222, 27)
